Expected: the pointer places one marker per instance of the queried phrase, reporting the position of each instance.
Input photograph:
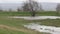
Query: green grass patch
(49, 22)
(42, 13)
(6, 31)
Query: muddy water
(43, 28)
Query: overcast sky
(47, 4)
(19, 1)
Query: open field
(8, 24)
(18, 23)
(49, 13)
(15, 26)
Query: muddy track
(8, 27)
(17, 29)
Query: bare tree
(58, 9)
(18, 9)
(31, 6)
(26, 7)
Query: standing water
(36, 17)
(43, 28)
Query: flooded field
(43, 28)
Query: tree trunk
(33, 13)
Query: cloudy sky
(47, 4)
(19, 1)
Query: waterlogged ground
(43, 28)
(37, 17)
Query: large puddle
(36, 17)
(43, 28)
